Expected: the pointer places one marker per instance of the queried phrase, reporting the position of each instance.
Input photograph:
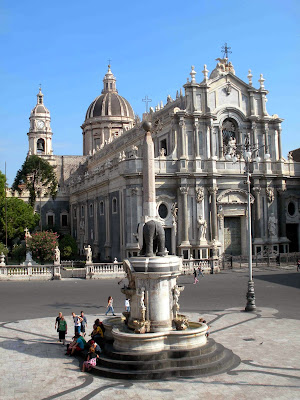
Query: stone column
(214, 217)
(96, 244)
(281, 212)
(211, 138)
(257, 230)
(182, 137)
(221, 150)
(185, 227)
(86, 223)
(196, 136)
(107, 244)
(266, 132)
(279, 142)
(207, 142)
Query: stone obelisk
(149, 203)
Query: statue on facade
(141, 296)
(56, 256)
(231, 146)
(89, 254)
(272, 225)
(202, 226)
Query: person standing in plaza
(77, 323)
(57, 321)
(62, 329)
(83, 322)
(195, 276)
(110, 306)
(127, 305)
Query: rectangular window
(200, 136)
(91, 210)
(82, 211)
(190, 143)
(50, 220)
(75, 212)
(64, 220)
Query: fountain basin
(125, 340)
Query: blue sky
(66, 45)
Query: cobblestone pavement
(34, 365)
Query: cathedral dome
(109, 103)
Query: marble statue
(56, 256)
(202, 225)
(272, 225)
(89, 254)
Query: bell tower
(40, 133)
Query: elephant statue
(153, 239)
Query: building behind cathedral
(200, 171)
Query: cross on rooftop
(147, 100)
(109, 61)
(226, 50)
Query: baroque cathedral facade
(200, 139)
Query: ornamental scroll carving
(270, 194)
(199, 194)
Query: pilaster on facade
(214, 218)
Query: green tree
(3, 249)
(38, 177)
(2, 185)
(42, 245)
(20, 215)
(68, 247)
(18, 252)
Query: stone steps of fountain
(208, 348)
(217, 360)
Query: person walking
(57, 322)
(62, 329)
(200, 271)
(298, 265)
(110, 306)
(83, 322)
(195, 276)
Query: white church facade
(199, 139)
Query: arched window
(114, 205)
(101, 207)
(229, 130)
(40, 145)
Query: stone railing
(189, 265)
(105, 270)
(20, 272)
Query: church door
(232, 235)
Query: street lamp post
(247, 151)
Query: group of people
(197, 272)
(79, 343)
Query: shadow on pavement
(292, 280)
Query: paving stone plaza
(34, 365)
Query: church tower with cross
(40, 133)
